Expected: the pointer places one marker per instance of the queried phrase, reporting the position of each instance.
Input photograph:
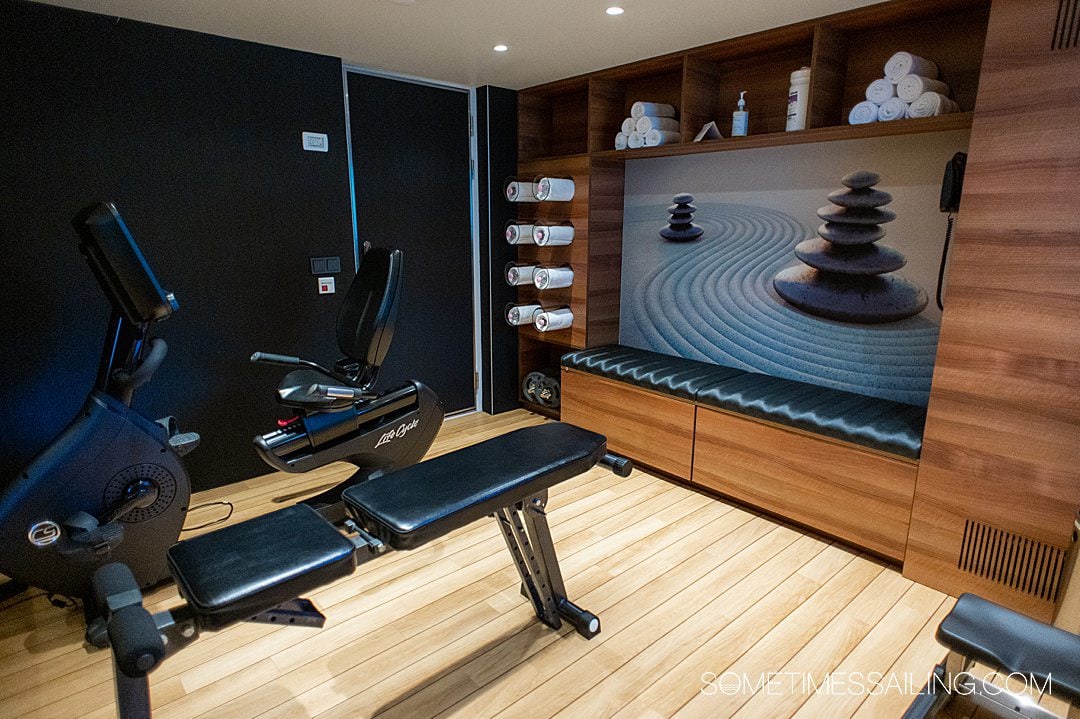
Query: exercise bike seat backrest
(365, 323)
(365, 328)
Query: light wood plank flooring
(684, 585)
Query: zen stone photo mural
(846, 274)
(724, 262)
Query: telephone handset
(952, 187)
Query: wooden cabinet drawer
(649, 428)
(856, 495)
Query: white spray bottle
(740, 119)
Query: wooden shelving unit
(568, 127)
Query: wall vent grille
(1067, 27)
(1012, 560)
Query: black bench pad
(880, 424)
(868, 421)
(412, 506)
(1011, 642)
(674, 376)
(244, 569)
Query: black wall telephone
(953, 182)
(952, 186)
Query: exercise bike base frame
(391, 431)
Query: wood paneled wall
(999, 478)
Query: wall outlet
(316, 142)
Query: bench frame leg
(525, 528)
(132, 694)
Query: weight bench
(1007, 642)
(259, 569)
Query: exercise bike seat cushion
(412, 506)
(242, 570)
(294, 390)
(1011, 642)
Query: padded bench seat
(872, 422)
(1012, 643)
(420, 503)
(247, 568)
(672, 376)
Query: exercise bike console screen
(121, 270)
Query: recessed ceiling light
(615, 10)
(500, 48)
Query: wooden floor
(684, 585)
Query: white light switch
(316, 142)
(326, 286)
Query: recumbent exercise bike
(111, 487)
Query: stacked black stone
(681, 227)
(849, 275)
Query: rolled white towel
(655, 138)
(879, 91)
(620, 141)
(892, 109)
(930, 104)
(635, 140)
(652, 109)
(629, 125)
(911, 86)
(863, 114)
(904, 63)
(646, 123)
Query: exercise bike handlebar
(270, 358)
(147, 367)
(336, 392)
(288, 361)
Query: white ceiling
(451, 40)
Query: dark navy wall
(496, 127)
(196, 138)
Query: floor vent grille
(1067, 27)
(1012, 560)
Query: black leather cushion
(1011, 642)
(247, 568)
(869, 421)
(412, 506)
(669, 375)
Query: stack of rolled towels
(910, 88)
(650, 124)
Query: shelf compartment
(761, 64)
(854, 50)
(613, 92)
(553, 119)
(534, 356)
